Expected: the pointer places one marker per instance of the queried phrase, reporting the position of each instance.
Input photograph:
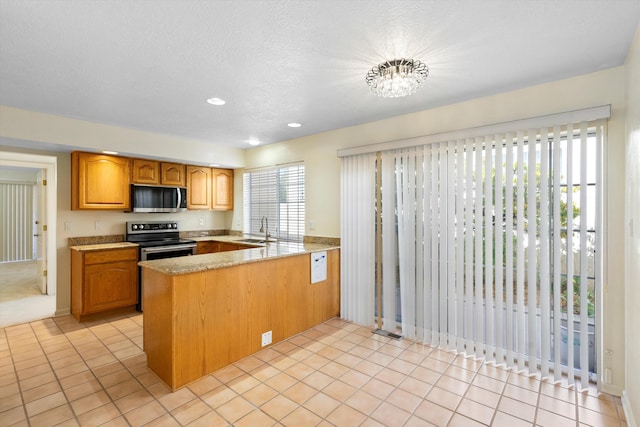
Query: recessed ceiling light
(294, 125)
(253, 142)
(216, 101)
(109, 152)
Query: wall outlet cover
(266, 338)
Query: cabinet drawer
(98, 257)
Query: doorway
(28, 276)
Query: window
(489, 245)
(276, 194)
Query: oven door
(161, 252)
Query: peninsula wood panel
(218, 316)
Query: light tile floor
(59, 372)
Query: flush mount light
(253, 142)
(214, 165)
(109, 152)
(396, 78)
(294, 125)
(216, 101)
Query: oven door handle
(171, 248)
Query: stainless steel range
(157, 240)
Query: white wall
(631, 397)
(605, 87)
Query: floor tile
(335, 374)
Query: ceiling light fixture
(253, 142)
(294, 125)
(216, 101)
(398, 77)
(109, 152)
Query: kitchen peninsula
(206, 311)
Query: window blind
(275, 196)
(495, 243)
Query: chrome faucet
(264, 220)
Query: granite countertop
(204, 262)
(103, 246)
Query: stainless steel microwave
(148, 198)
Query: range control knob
(141, 226)
(134, 227)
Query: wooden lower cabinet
(196, 323)
(213, 246)
(103, 280)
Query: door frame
(50, 164)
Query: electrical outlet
(67, 226)
(266, 338)
(312, 225)
(201, 222)
(98, 225)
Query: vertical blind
(490, 245)
(16, 222)
(278, 195)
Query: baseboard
(628, 413)
(64, 312)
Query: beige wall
(83, 223)
(605, 87)
(323, 171)
(631, 397)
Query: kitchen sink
(253, 241)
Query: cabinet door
(173, 174)
(99, 181)
(206, 247)
(110, 285)
(198, 187)
(146, 171)
(222, 189)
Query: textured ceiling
(150, 65)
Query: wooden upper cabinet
(222, 189)
(99, 181)
(145, 172)
(173, 174)
(198, 187)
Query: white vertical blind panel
(599, 247)
(443, 244)
(389, 243)
(357, 254)
(531, 266)
(459, 212)
(569, 252)
(450, 259)
(545, 298)
(428, 238)
(479, 301)
(520, 253)
(16, 222)
(435, 232)
(509, 253)
(468, 241)
(557, 252)
(488, 250)
(584, 283)
(499, 262)
(420, 242)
